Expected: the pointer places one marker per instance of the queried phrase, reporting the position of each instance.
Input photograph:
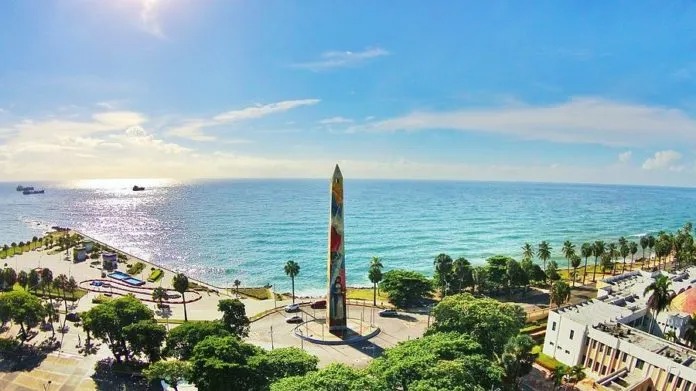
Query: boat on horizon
(23, 188)
(138, 188)
(32, 191)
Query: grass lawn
(257, 293)
(365, 294)
(54, 293)
(545, 361)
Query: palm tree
(544, 252)
(598, 249)
(568, 252)
(181, 285)
(651, 244)
(671, 336)
(443, 267)
(527, 251)
(586, 250)
(558, 373)
(560, 293)
(50, 312)
(462, 272)
(576, 262)
(624, 250)
(71, 286)
(375, 276)
(34, 280)
(292, 269)
(23, 279)
(576, 373)
(613, 254)
(159, 294)
(644, 242)
(660, 296)
(237, 283)
(46, 281)
(59, 284)
(633, 248)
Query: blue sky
(540, 91)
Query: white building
(606, 335)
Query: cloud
(624, 157)
(662, 160)
(193, 129)
(338, 59)
(579, 120)
(335, 121)
(149, 18)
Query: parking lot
(273, 331)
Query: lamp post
(271, 337)
(301, 338)
(47, 385)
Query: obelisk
(336, 312)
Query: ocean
(222, 230)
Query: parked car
(319, 305)
(388, 313)
(294, 319)
(292, 308)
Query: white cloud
(342, 59)
(335, 121)
(149, 17)
(624, 157)
(579, 120)
(662, 160)
(193, 129)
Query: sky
(572, 91)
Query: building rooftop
(593, 312)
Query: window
(553, 326)
(623, 358)
(567, 352)
(604, 369)
(679, 382)
(551, 343)
(601, 348)
(670, 378)
(639, 364)
(572, 333)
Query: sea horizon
(219, 230)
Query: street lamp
(301, 338)
(47, 385)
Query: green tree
(9, 277)
(443, 269)
(479, 274)
(576, 373)
(586, 250)
(236, 284)
(411, 361)
(613, 253)
(405, 287)
(59, 284)
(558, 374)
(292, 269)
(575, 262)
(644, 241)
(71, 287)
(34, 280)
(51, 316)
(606, 263)
(23, 279)
(24, 309)
(234, 317)
(651, 244)
(181, 285)
(624, 251)
(517, 359)
(145, 337)
(552, 271)
(182, 339)
(173, 372)
(159, 294)
(690, 331)
(560, 293)
(515, 274)
(598, 248)
(227, 364)
(489, 322)
(568, 252)
(497, 271)
(335, 377)
(660, 296)
(544, 252)
(286, 362)
(633, 249)
(538, 275)
(375, 276)
(109, 321)
(461, 270)
(527, 252)
(47, 282)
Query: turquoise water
(219, 231)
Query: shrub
(155, 275)
(135, 269)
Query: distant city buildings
(610, 335)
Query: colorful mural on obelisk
(336, 298)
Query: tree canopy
(405, 287)
(182, 339)
(489, 322)
(234, 317)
